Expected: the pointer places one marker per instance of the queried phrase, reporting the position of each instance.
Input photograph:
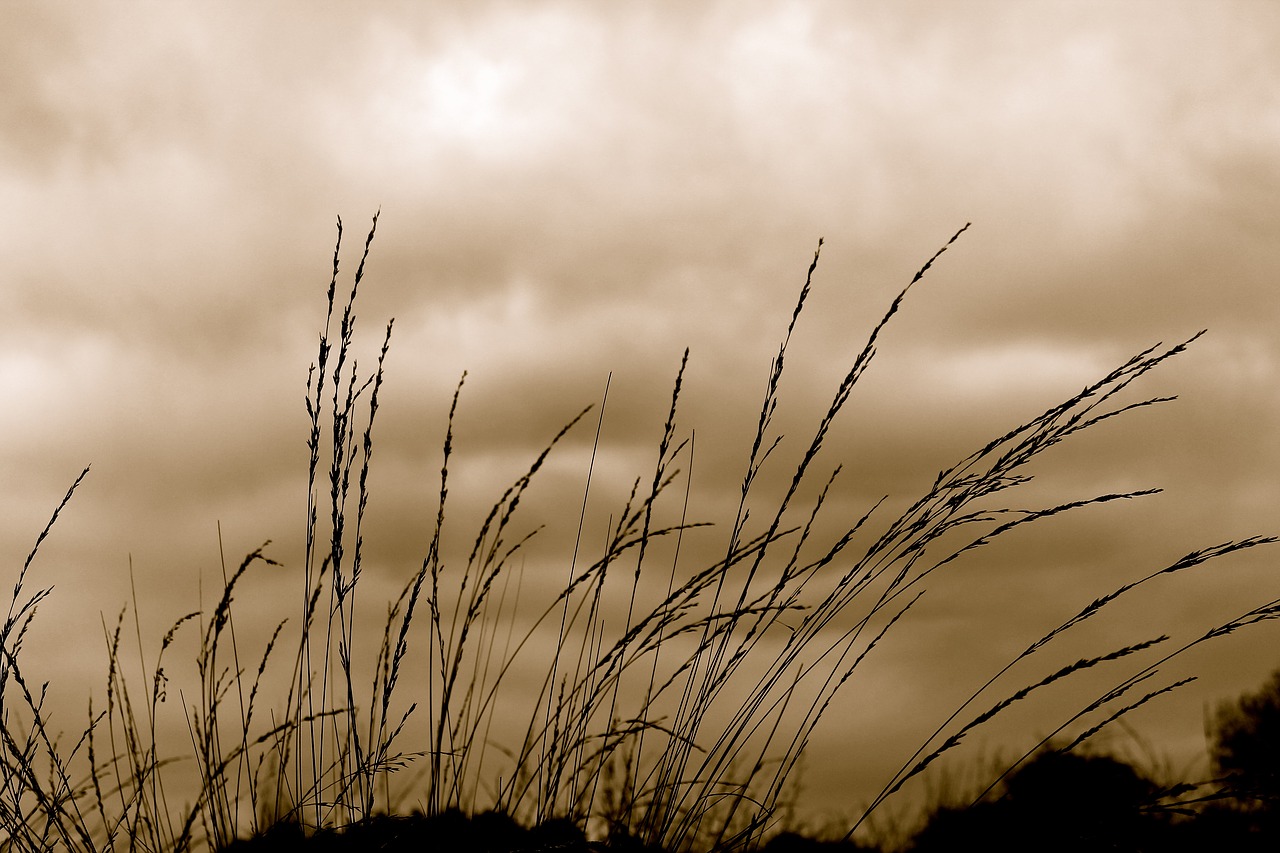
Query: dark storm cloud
(567, 192)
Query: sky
(570, 193)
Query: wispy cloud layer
(569, 189)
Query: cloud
(567, 192)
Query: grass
(673, 704)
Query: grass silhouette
(674, 706)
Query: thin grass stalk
(314, 402)
(573, 559)
(723, 663)
(673, 761)
(492, 562)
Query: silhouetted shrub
(794, 842)
(1059, 801)
(1245, 745)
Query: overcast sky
(569, 190)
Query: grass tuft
(678, 702)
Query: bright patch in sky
(468, 96)
(1013, 368)
(495, 92)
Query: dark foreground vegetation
(1057, 801)
(677, 700)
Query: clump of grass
(676, 704)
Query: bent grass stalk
(679, 722)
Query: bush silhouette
(794, 842)
(1059, 801)
(1245, 745)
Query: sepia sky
(573, 190)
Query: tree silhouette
(1245, 746)
(1059, 801)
